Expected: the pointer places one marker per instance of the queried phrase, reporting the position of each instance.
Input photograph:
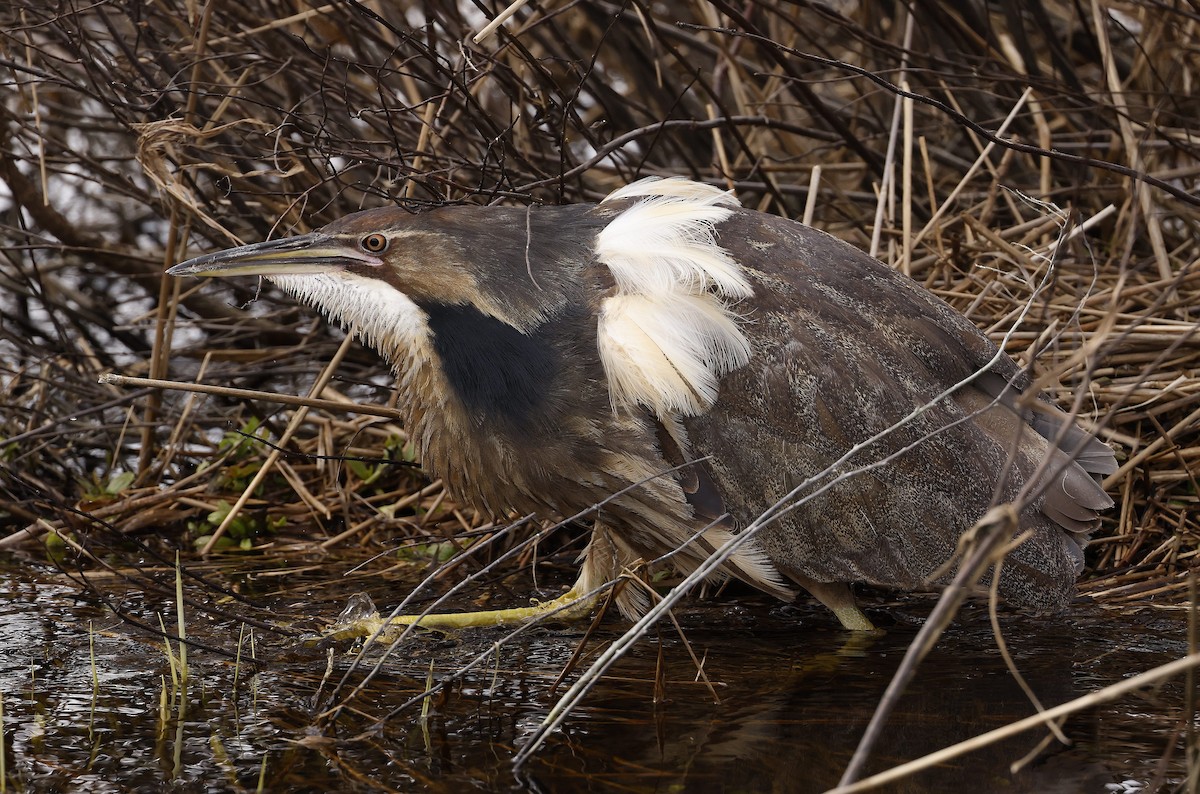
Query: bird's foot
(569, 606)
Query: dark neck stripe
(497, 372)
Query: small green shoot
(237, 662)
(424, 718)
(238, 449)
(95, 676)
(164, 708)
(238, 444)
(262, 774)
(365, 471)
(183, 664)
(170, 657)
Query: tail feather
(1068, 459)
(1092, 454)
(1070, 496)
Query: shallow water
(795, 694)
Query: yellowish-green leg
(601, 563)
(568, 606)
(839, 599)
(369, 623)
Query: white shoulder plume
(668, 333)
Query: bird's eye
(374, 243)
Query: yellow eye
(374, 243)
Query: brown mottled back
(843, 348)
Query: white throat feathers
(382, 317)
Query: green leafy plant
(395, 449)
(99, 490)
(239, 450)
(242, 533)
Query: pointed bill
(292, 256)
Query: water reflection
(794, 691)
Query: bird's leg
(838, 598)
(367, 622)
(603, 561)
(361, 619)
(571, 605)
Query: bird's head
(500, 298)
(377, 270)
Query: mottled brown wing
(842, 348)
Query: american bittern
(549, 357)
